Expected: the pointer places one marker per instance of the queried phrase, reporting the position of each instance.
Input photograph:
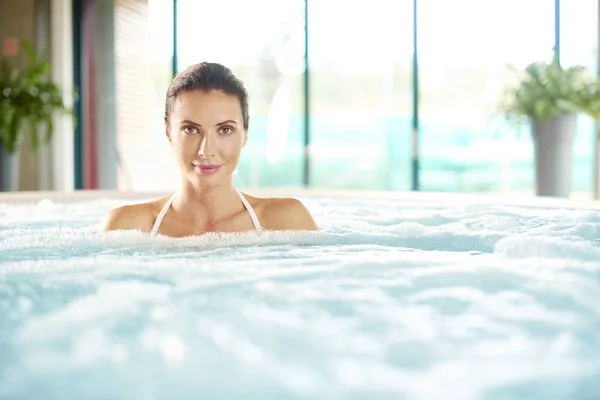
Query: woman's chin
(207, 180)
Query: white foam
(391, 299)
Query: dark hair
(207, 76)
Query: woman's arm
(287, 214)
(129, 217)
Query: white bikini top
(167, 205)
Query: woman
(206, 123)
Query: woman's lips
(206, 169)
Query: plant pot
(553, 150)
(9, 170)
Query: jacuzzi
(398, 296)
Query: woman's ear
(167, 130)
(247, 128)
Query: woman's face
(207, 133)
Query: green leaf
(547, 90)
(29, 101)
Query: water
(391, 300)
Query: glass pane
(146, 161)
(361, 96)
(268, 55)
(579, 46)
(464, 49)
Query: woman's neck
(213, 202)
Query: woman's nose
(206, 147)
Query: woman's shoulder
(137, 216)
(282, 213)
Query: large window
(262, 41)
(361, 89)
(146, 48)
(579, 46)
(360, 94)
(464, 49)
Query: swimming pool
(400, 296)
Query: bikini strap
(250, 210)
(167, 205)
(161, 215)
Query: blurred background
(378, 95)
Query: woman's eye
(226, 130)
(190, 130)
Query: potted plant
(550, 97)
(29, 101)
